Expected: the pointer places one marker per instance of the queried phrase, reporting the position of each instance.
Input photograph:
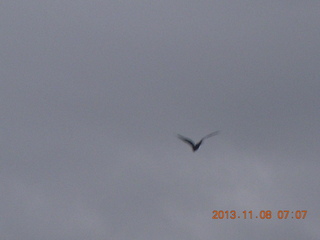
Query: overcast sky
(93, 93)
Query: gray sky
(93, 93)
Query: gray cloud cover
(93, 93)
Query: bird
(194, 146)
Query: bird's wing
(187, 140)
(210, 135)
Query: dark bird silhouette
(194, 146)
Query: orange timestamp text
(262, 214)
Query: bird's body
(196, 146)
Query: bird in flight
(194, 146)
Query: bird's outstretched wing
(187, 140)
(210, 135)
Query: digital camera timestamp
(262, 214)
